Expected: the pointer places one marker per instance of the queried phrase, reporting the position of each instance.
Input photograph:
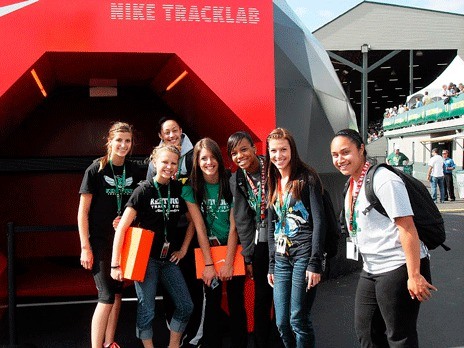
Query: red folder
(135, 253)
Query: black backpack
(427, 218)
(333, 229)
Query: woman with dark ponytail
(396, 271)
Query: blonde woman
(158, 206)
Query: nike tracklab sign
(4, 10)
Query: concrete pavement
(440, 323)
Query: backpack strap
(241, 183)
(189, 161)
(369, 189)
(341, 217)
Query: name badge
(213, 241)
(261, 233)
(352, 252)
(164, 250)
(281, 244)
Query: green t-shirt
(217, 215)
(397, 160)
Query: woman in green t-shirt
(208, 193)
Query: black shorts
(107, 287)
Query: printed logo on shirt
(156, 205)
(111, 182)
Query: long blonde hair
(116, 127)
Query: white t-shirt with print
(377, 236)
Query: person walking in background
(249, 187)
(296, 238)
(448, 168)
(395, 277)
(105, 189)
(157, 206)
(436, 176)
(397, 158)
(208, 191)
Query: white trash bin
(460, 182)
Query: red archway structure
(55, 52)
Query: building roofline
(384, 4)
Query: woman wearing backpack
(296, 238)
(396, 269)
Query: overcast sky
(316, 13)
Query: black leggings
(385, 314)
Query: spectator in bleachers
(419, 102)
(426, 99)
(460, 88)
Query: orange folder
(218, 254)
(135, 253)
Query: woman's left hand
(420, 288)
(176, 256)
(313, 279)
(226, 272)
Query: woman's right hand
(116, 222)
(270, 279)
(87, 258)
(208, 274)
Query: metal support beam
(383, 60)
(364, 91)
(411, 72)
(344, 61)
(11, 285)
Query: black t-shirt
(145, 200)
(104, 207)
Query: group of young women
(272, 205)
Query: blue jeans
(173, 282)
(293, 303)
(440, 180)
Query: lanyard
(211, 215)
(165, 211)
(354, 194)
(281, 206)
(259, 194)
(119, 185)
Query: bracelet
(209, 264)
(114, 267)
